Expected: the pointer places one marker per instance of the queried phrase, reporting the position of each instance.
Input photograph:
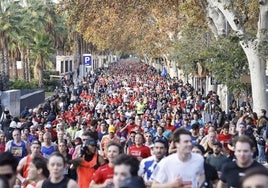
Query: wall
(32, 100)
(17, 103)
(11, 100)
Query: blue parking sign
(87, 59)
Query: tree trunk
(6, 59)
(1, 61)
(22, 55)
(40, 80)
(28, 69)
(6, 69)
(255, 60)
(38, 70)
(14, 64)
(216, 21)
(3, 67)
(258, 78)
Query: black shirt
(211, 176)
(62, 184)
(231, 173)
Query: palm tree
(29, 29)
(49, 33)
(10, 17)
(41, 51)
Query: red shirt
(103, 173)
(225, 139)
(170, 127)
(130, 127)
(2, 147)
(142, 151)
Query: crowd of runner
(129, 120)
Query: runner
(56, 163)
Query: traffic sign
(87, 59)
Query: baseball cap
(36, 142)
(48, 126)
(218, 144)
(123, 139)
(242, 124)
(111, 129)
(91, 141)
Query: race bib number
(16, 151)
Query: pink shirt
(2, 147)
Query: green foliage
(42, 44)
(224, 58)
(21, 84)
(263, 47)
(31, 31)
(191, 47)
(50, 85)
(47, 74)
(228, 63)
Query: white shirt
(171, 167)
(147, 167)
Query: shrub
(22, 84)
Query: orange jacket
(85, 171)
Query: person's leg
(261, 153)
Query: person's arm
(72, 184)
(221, 184)
(103, 185)
(39, 184)
(148, 183)
(230, 147)
(203, 141)
(76, 152)
(177, 182)
(76, 162)
(19, 170)
(8, 146)
(101, 160)
(124, 128)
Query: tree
(41, 51)
(237, 15)
(125, 26)
(150, 27)
(47, 32)
(9, 20)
